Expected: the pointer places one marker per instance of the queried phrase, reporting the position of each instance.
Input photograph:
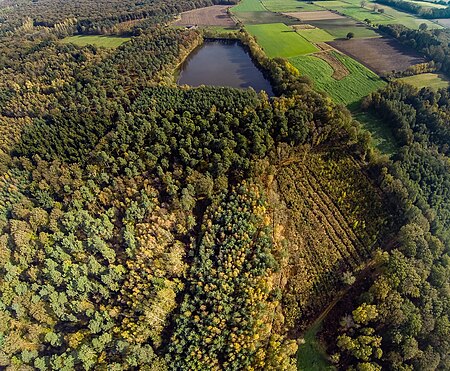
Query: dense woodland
(148, 226)
(90, 17)
(402, 320)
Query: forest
(149, 226)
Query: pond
(222, 63)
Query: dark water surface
(220, 63)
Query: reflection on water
(220, 63)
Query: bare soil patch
(339, 70)
(381, 55)
(210, 16)
(319, 15)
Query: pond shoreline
(236, 61)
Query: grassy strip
(97, 40)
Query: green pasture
(279, 40)
(289, 6)
(249, 6)
(359, 83)
(316, 35)
(339, 28)
(427, 80)
(97, 40)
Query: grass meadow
(357, 84)
(97, 40)
(279, 40)
(316, 35)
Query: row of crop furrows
(330, 220)
(354, 195)
(343, 225)
(327, 248)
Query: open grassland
(289, 5)
(279, 40)
(315, 16)
(249, 6)
(97, 40)
(315, 35)
(382, 55)
(358, 83)
(330, 217)
(339, 28)
(210, 16)
(427, 80)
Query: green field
(97, 40)
(316, 35)
(311, 356)
(249, 6)
(427, 80)
(359, 83)
(289, 6)
(279, 40)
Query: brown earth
(210, 16)
(319, 15)
(381, 55)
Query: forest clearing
(216, 15)
(97, 40)
(429, 80)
